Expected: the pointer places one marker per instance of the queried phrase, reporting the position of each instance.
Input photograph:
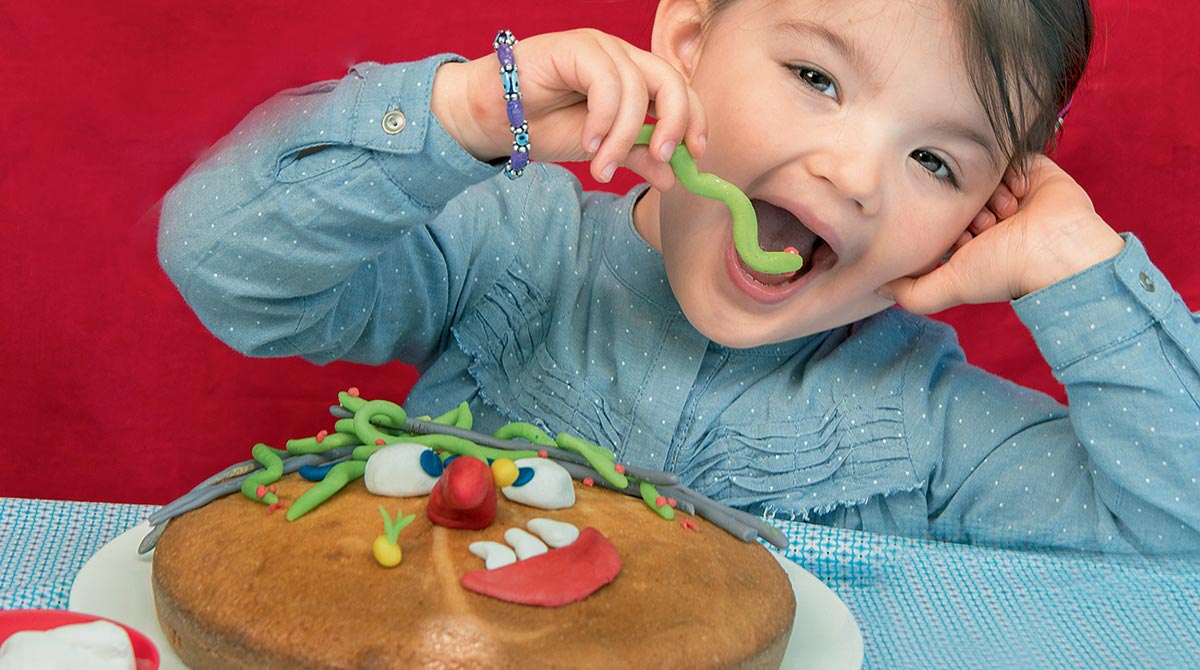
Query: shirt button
(1147, 282)
(393, 122)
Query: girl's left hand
(1037, 228)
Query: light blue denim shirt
(313, 230)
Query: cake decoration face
(552, 556)
(463, 496)
(461, 472)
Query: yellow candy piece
(504, 472)
(387, 553)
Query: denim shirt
(315, 229)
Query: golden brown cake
(236, 587)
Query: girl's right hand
(586, 95)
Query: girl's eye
(935, 166)
(816, 80)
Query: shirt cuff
(1100, 307)
(392, 116)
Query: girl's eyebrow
(844, 47)
(971, 134)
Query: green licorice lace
(745, 222)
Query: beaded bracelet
(503, 44)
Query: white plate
(115, 583)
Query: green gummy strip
(745, 222)
(367, 432)
(599, 458)
(650, 495)
(336, 479)
(350, 402)
(459, 417)
(309, 445)
(524, 431)
(348, 427)
(271, 472)
(464, 447)
(362, 453)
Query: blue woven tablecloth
(920, 604)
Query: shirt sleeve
(1117, 471)
(340, 221)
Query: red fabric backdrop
(114, 392)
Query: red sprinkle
(352, 391)
(660, 501)
(270, 509)
(619, 468)
(379, 441)
(689, 524)
(792, 250)
(271, 488)
(260, 491)
(321, 435)
(543, 453)
(671, 502)
(588, 481)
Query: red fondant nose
(468, 482)
(465, 496)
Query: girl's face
(853, 128)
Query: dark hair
(1025, 58)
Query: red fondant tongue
(778, 229)
(555, 578)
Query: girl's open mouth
(779, 230)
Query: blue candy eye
(431, 464)
(524, 476)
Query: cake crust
(236, 587)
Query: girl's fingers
(630, 116)
(1016, 182)
(983, 220)
(601, 84)
(1002, 202)
(659, 174)
(696, 136)
(670, 101)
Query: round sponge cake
(237, 587)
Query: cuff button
(393, 122)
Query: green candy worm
(745, 222)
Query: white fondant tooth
(395, 470)
(554, 533)
(524, 544)
(550, 488)
(494, 554)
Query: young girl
(367, 219)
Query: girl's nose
(855, 168)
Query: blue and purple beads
(503, 44)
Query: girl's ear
(678, 29)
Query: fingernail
(884, 293)
(608, 171)
(667, 150)
(592, 145)
(701, 142)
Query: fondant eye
(402, 470)
(524, 475)
(549, 487)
